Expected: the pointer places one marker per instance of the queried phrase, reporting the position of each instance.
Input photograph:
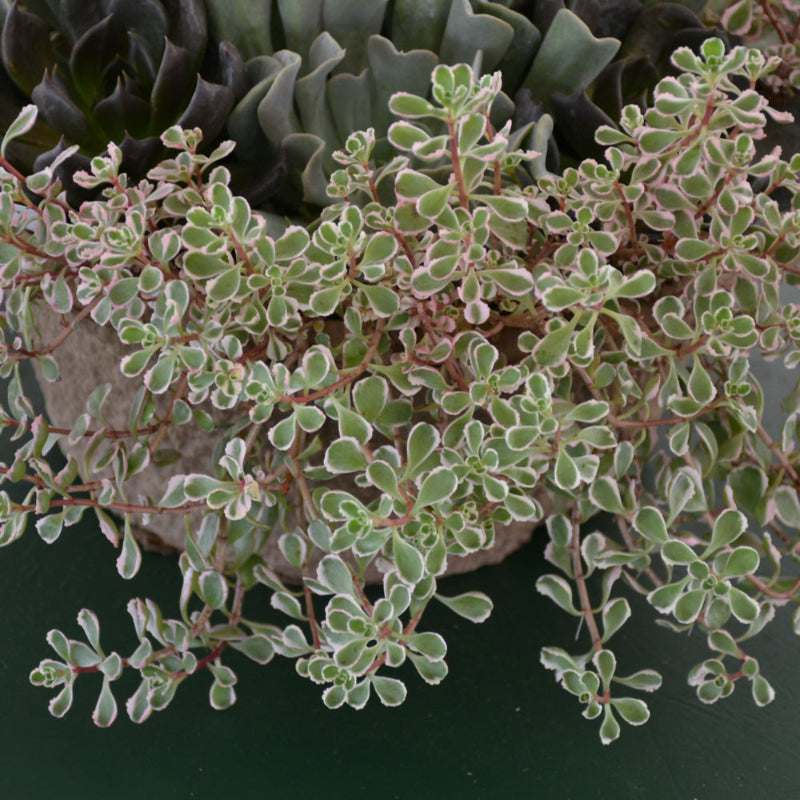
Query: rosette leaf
(342, 61)
(649, 33)
(113, 71)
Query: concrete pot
(91, 355)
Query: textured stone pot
(89, 357)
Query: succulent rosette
(320, 69)
(105, 71)
(648, 32)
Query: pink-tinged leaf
(390, 691)
(138, 706)
(91, 627)
(105, 712)
(738, 18)
(61, 703)
(221, 696)
(107, 527)
(130, 559)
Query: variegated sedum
(461, 348)
(773, 27)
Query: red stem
(457, 174)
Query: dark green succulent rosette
(111, 70)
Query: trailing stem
(580, 580)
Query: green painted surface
(498, 727)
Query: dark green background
(498, 727)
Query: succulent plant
(592, 335)
(111, 70)
(649, 32)
(122, 71)
(772, 26)
(321, 69)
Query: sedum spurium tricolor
(512, 352)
